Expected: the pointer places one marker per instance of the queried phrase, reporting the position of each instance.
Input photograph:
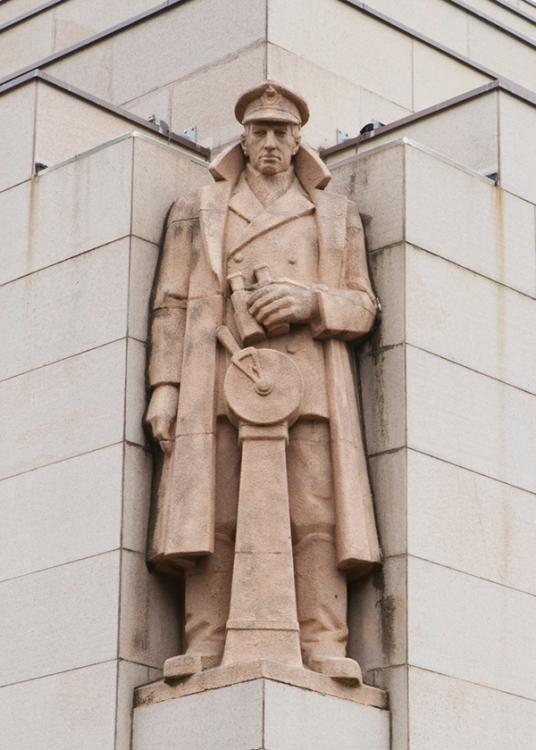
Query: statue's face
(270, 146)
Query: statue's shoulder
(339, 208)
(185, 207)
(337, 201)
(209, 196)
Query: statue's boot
(322, 602)
(207, 595)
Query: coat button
(292, 348)
(238, 258)
(292, 260)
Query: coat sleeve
(349, 312)
(170, 294)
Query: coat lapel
(331, 212)
(291, 205)
(213, 213)
(245, 203)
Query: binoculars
(249, 330)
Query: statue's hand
(283, 301)
(161, 415)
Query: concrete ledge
(169, 5)
(401, 125)
(15, 20)
(260, 714)
(48, 81)
(220, 677)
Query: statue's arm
(167, 323)
(349, 312)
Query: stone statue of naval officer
(267, 210)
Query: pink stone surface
(264, 496)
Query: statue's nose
(270, 141)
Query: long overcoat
(187, 308)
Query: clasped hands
(283, 301)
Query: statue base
(259, 705)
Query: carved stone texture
(263, 497)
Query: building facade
(111, 110)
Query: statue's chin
(270, 169)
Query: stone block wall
(83, 622)
(353, 62)
(333, 55)
(447, 381)
(449, 403)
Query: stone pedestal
(252, 706)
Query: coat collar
(215, 199)
(310, 169)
